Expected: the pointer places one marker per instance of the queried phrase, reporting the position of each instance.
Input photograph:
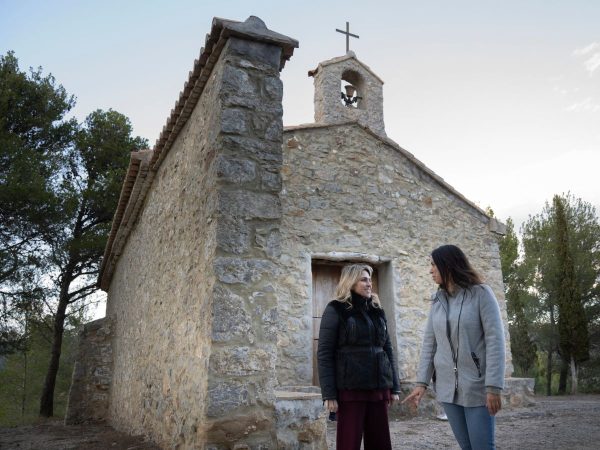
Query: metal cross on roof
(348, 34)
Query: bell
(350, 90)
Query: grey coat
(478, 335)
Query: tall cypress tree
(563, 264)
(573, 333)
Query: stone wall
(348, 191)
(88, 395)
(160, 294)
(241, 396)
(192, 295)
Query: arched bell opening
(352, 90)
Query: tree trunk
(24, 393)
(573, 376)
(564, 373)
(47, 398)
(549, 374)
(66, 278)
(24, 387)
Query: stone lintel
(292, 395)
(352, 256)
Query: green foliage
(541, 376)
(88, 196)
(541, 250)
(94, 170)
(33, 136)
(517, 298)
(561, 268)
(589, 371)
(60, 186)
(509, 251)
(22, 376)
(572, 325)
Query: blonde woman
(357, 368)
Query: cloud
(592, 54)
(593, 63)
(586, 105)
(585, 50)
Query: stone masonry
(241, 381)
(209, 336)
(193, 248)
(88, 396)
(347, 189)
(369, 87)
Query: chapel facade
(228, 241)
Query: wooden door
(325, 277)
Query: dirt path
(53, 435)
(571, 423)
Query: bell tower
(348, 90)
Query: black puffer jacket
(355, 351)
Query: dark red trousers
(355, 418)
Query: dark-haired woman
(464, 344)
(357, 368)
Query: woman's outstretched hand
(415, 396)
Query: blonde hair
(351, 274)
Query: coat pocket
(477, 364)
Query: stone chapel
(228, 241)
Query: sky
(499, 98)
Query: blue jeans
(473, 428)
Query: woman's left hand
(493, 403)
(395, 398)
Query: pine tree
(59, 187)
(88, 198)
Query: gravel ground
(571, 423)
(568, 422)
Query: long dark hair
(454, 267)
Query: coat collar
(358, 301)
